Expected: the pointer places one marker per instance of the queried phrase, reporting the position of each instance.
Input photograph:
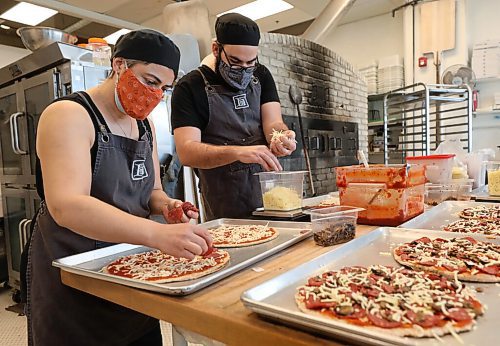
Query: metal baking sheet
(90, 263)
(441, 215)
(481, 194)
(288, 214)
(275, 298)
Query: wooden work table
(216, 311)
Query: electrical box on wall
(422, 61)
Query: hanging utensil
(296, 97)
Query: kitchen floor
(13, 326)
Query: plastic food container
(334, 225)
(282, 191)
(101, 52)
(493, 169)
(438, 168)
(390, 195)
(454, 191)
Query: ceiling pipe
(91, 16)
(327, 20)
(78, 25)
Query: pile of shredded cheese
(281, 198)
(494, 183)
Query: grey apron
(233, 190)
(123, 176)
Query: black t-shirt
(190, 102)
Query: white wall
(10, 54)
(366, 40)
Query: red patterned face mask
(134, 98)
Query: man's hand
(258, 154)
(284, 144)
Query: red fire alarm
(422, 61)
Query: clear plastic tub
(384, 206)
(282, 191)
(334, 225)
(438, 168)
(493, 169)
(455, 191)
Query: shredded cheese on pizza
(388, 297)
(481, 212)
(226, 235)
(157, 266)
(461, 256)
(488, 227)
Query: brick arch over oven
(332, 90)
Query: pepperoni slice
(210, 250)
(472, 240)
(387, 288)
(314, 304)
(424, 320)
(424, 240)
(383, 323)
(187, 206)
(175, 215)
(449, 267)
(434, 277)
(492, 270)
(371, 292)
(354, 287)
(459, 314)
(316, 281)
(428, 263)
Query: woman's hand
(181, 240)
(174, 212)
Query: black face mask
(238, 78)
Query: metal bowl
(36, 37)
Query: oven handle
(20, 228)
(16, 133)
(12, 134)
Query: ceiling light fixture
(260, 8)
(28, 14)
(5, 27)
(115, 36)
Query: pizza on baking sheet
(488, 227)
(155, 266)
(464, 258)
(484, 212)
(399, 301)
(242, 235)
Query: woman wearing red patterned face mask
(98, 178)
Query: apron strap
(147, 130)
(102, 127)
(207, 84)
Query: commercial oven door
(36, 94)
(16, 215)
(12, 163)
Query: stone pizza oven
(334, 106)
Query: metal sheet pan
(481, 194)
(90, 263)
(275, 298)
(441, 215)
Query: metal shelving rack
(429, 114)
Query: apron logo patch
(139, 170)
(240, 101)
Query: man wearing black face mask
(224, 114)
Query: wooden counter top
(216, 311)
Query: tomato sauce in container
(390, 194)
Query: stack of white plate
(390, 74)
(369, 72)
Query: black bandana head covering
(236, 29)
(149, 46)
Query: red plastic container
(389, 194)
